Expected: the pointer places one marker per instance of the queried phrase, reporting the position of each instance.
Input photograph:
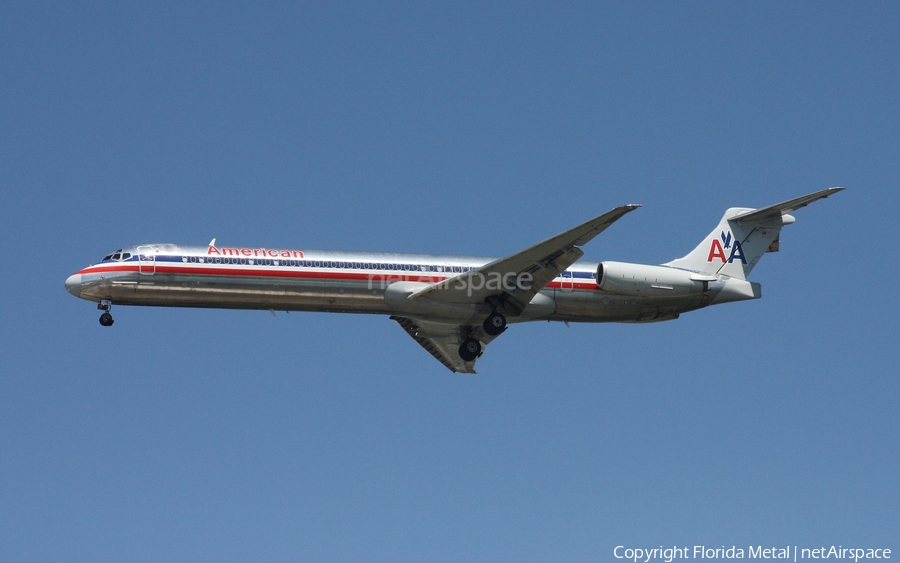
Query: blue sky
(459, 128)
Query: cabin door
(568, 281)
(146, 260)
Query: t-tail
(742, 237)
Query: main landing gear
(105, 319)
(495, 323)
(470, 349)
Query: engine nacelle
(649, 281)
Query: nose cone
(73, 285)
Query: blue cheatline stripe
(325, 264)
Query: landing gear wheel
(494, 324)
(470, 349)
(106, 319)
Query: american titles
(269, 253)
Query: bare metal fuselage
(168, 275)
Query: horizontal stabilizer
(783, 208)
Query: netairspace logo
(788, 553)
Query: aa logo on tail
(717, 249)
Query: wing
(442, 340)
(540, 263)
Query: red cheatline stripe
(293, 274)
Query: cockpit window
(117, 255)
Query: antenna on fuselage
(212, 242)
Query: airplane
(453, 306)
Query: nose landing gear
(105, 319)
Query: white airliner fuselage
(452, 305)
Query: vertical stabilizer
(742, 237)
